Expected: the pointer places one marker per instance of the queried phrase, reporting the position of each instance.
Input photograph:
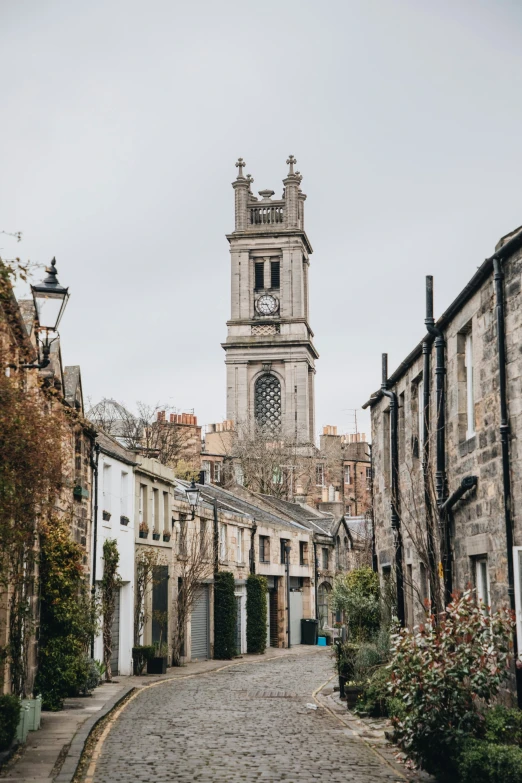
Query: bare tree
(194, 564)
(146, 561)
(149, 432)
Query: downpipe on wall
(394, 469)
(95, 461)
(426, 451)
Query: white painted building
(115, 520)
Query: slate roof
(112, 448)
(72, 383)
(314, 520)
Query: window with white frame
(107, 490)
(347, 474)
(222, 542)
(124, 493)
(470, 393)
(155, 510)
(143, 504)
(420, 413)
(217, 472)
(239, 553)
(517, 562)
(368, 477)
(319, 474)
(166, 514)
(239, 475)
(205, 467)
(482, 581)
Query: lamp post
(192, 494)
(50, 299)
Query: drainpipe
(216, 536)
(504, 440)
(253, 548)
(316, 580)
(94, 465)
(395, 519)
(287, 570)
(426, 378)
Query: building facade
(270, 356)
(446, 433)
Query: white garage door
(199, 624)
(296, 614)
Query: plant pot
(166, 538)
(155, 536)
(35, 710)
(23, 725)
(157, 665)
(143, 534)
(328, 641)
(352, 693)
(106, 516)
(124, 520)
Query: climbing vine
(111, 583)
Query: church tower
(270, 355)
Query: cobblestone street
(246, 723)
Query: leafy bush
(486, 762)
(10, 707)
(87, 676)
(140, 656)
(67, 617)
(225, 612)
(503, 726)
(256, 613)
(375, 698)
(345, 659)
(440, 671)
(368, 658)
(356, 594)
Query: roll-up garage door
(296, 614)
(200, 625)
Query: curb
(76, 748)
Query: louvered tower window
(267, 402)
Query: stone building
(446, 434)
(270, 356)
(344, 472)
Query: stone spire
(291, 184)
(241, 186)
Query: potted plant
(155, 535)
(166, 536)
(345, 656)
(158, 663)
(140, 656)
(124, 520)
(106, 515)
(144, 530)
(352, 691)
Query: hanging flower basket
(124, 520)
(106, 516)
(166, 536)
(144, 530)
(155, 536)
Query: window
(182, 551)
(323, 603)
(205, 467)
(166, 513)
(274, 274)
(319, 474)
(283, 542)
(517, 557)
(143, 503)
(259, 274)
(386, 446)
(424, 585)
(239, 554)
(303, 553)
(124, 492)
(217, 472)
(222, 542)
(482, 581)
(203, 544)
(348, 511)
(107, 488)
(470, 396)
(264, 549)
(325, 554)
(420, 412)
(155, 510)
(401, 427)
(368, 477)
(267, 402)
(347, 474)
(239, 476)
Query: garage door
(199, 624)
(115, 634)
(296, 613)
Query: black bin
(309, 629)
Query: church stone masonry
(270, 356)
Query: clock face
(267, 305)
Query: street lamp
(192, 494)
(50, 299)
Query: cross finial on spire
(291, 160)
(240, 165)
(249, 179)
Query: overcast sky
(121, 124)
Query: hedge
(486, 762)
(225, 613)
(10, 707)
(256, 613)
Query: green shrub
(486, 762)
(503, 726)
(87, 676)
(10, 707)
(356, 594)
(140, 656)
(441, 672)
(345, 659)
(225, 612)
(256, 610)
(375, 698)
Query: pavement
(52, 753)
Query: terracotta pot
(352, 693)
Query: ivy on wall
(256, 609)
(225, 614)
(110, 585)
